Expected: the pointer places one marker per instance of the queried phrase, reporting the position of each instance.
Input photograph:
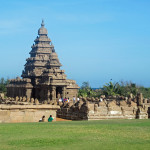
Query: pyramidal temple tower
(42, 77)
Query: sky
(96, 40)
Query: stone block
(2, 95)
(36, 101)
(24, 99)
(102, 103)
(123, 103)
(32, 100)
(16, 98)
(26, 113)
(20, 99)
(28, 100)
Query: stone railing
(93, 109)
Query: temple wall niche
(70, 93)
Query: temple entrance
(148, 112)
(58, 92)
(33, 93)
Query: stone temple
(42, 77)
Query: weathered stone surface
(131, 96)
(20, 99)
(2, 95)
(95, 107)
(24, 99)
(26, 113)
(28, 99)
(139, 99)
(32, 100)
(102, 103)
(60, 103)
(103, 96)
(45, 102)
(36, 101)
(93, 110)
(142, 113)
(112, 103)
(123, 103)
(48, 101)
(133, 104)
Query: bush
(3, 84)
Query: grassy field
(71, 135)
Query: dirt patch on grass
(60, 119)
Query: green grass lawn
(71, 135)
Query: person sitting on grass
(42, 119)
(50, 119)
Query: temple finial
(42, 24)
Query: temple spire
(42, 24)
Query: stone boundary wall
(26, 113)
(22, 109)
(85, 110)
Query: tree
(84, 89)
(145, 91)
(85, 85)
(87, 91)
(110, 89)
(3, 84)
(120, 88)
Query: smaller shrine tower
(42, 77)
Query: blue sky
(96, 40)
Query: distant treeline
(3, 84)
(111, 89)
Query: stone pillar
(28, 93)
(37, 93)
(145, 100)
(140, 99)
(14, 92)
(21, 91)
(18, 92)
(64, 92)
(48, 94)
(53, 93)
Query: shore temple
(42, 77)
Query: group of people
(64, 100)
(68, 100)
(50, 119)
